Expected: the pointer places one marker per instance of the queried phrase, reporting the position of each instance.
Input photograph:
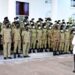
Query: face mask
(31, 23)
(25, 23)
(61, 30)
(44, 26)
(17, 19)
(49, 27)
(48, 21)
(33, 26)
(66, 29)
(39, 23)
(64, 24)
(39, 27)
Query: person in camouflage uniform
(6, 35)
(44, 36)
(17, 37)
(56, 39)
(49, 33)
(26, 40)
(67, 39)
(33, 35)
(39, 35)
(62, 39)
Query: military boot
(19, 56)
(14, 55)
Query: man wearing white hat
(73, 43)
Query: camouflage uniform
(67, 41)
(62, 41)
(56, 40)
(17, 39)
(26, 41)
(44, 37)
(6, 34)
(39, 37)
(50, 37)
(33, 37)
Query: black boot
(41, 49)
(19, 55)
(9, 58)
(5, 58)
(14, 55)
(25, 56)
(54, 53)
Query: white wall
(37, 8)
(54, 9)
(3, 9)
(59, 9)
(64, 9)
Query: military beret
(40, 19)
(49, 19)
(32, 19)
(26, 17)
(16, 18)
(6, 18)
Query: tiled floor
(38, 64)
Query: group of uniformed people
(39, 36)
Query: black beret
(40, 19)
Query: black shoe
(73, 71)
(9, 58)
(5, 58)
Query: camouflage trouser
(33, 42)
(67, 46)
(44, 43)
(55, 45)
(26, 46)
(71, 46)
(49, 43)
(7, 49)
(39, 43)
(61, 46)
(17, 44)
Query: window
(73, 3)
(22, 8)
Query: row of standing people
(35, 36)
